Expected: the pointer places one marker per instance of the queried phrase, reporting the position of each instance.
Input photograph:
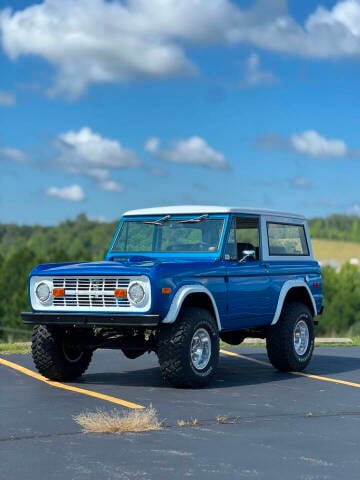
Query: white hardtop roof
(202, 209)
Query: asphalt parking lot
(275, 425)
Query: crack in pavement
(227, 420)
(39, 436)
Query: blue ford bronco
(175, 281)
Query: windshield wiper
(194, 220)
(159, 221)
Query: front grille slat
(97, 292)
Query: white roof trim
(202, 209)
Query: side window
(286, 239)
(243, 235)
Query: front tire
(56, 355)
(188, 349)
(290, 343)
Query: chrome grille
(95, 292)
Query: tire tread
(279, 341)
(49, 358)
(173, 350)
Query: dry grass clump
(114, 421)
(222, 419)
(193, 422)
(225, 419)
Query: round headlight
(136, 293)
(43, 292)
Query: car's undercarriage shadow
(232, 372)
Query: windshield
(163, 234)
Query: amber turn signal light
(166, 291)
(58, 292)
(120, 293)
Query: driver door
(248, 282)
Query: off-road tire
(174, 348)
(280, 341)
(51, 356)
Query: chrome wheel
(301, 337)
(200, 351)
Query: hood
(129, 266)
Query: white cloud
(326, 33)
(87, 153)
(313, 144)
(301, 182)
(87, 149)
(99, 174)
(354, 209)
(7, 99)
(102, 177)
(254, 75)
(345, 14)
(152, 145)
(111, 186)
(73, 193)
(12, 155)
(194, 150)
(96, 41)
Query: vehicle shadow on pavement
(332, 364)
(231, 372)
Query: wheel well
(200, 300)
(301, 295)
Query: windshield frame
(184, 218)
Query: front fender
(181, 295)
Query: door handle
(265, 265)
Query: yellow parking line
(301, 374)
(327, 379)
(244, 357)
(82, 391)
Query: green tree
(13, 287)
(341, 301)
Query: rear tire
(188, 349)
(290, 343)
(56, 355)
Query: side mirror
(247, 254)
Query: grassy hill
(335, 250)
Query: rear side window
(286, 239)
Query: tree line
(336, 227)
(23, 247)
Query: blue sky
(109, 106)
